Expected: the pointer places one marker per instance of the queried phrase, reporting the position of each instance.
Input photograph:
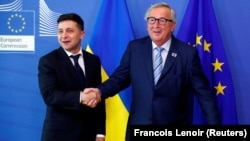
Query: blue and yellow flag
(111, 34)
(199, 28)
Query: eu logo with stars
(17, 23)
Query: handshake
(90, 97)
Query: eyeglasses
(161, 21)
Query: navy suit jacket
(167, 103)
(66, 118)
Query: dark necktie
(78, 69)
(157, 65)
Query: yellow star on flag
(198, 40)
(220, 89)
(217, 65)
(207, 46)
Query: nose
(63, 34)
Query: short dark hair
(73, 17)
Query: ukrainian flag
(111, 34)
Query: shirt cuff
(100, 135)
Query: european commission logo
(17, 23)
(17, 30)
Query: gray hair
(161, 4)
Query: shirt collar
(166, 45)
(69, 53)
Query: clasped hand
(90, 97)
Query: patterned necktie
(157, 65)
(78, 69)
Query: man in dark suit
(67, 119)
(165, 101)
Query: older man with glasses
(163, 72)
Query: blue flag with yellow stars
(199, 28)
(17, 23)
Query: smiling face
(70, 35)
(160, 33)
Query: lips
(65, 41)
(157, 31)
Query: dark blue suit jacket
(168, 102)
(66, 119)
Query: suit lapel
(65, 61)
(86, 63)
(148, 60)
(171, 57)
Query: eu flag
(199, 28)
(111, 34)
(17, 23)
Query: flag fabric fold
(199, 28)
(111, 34)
